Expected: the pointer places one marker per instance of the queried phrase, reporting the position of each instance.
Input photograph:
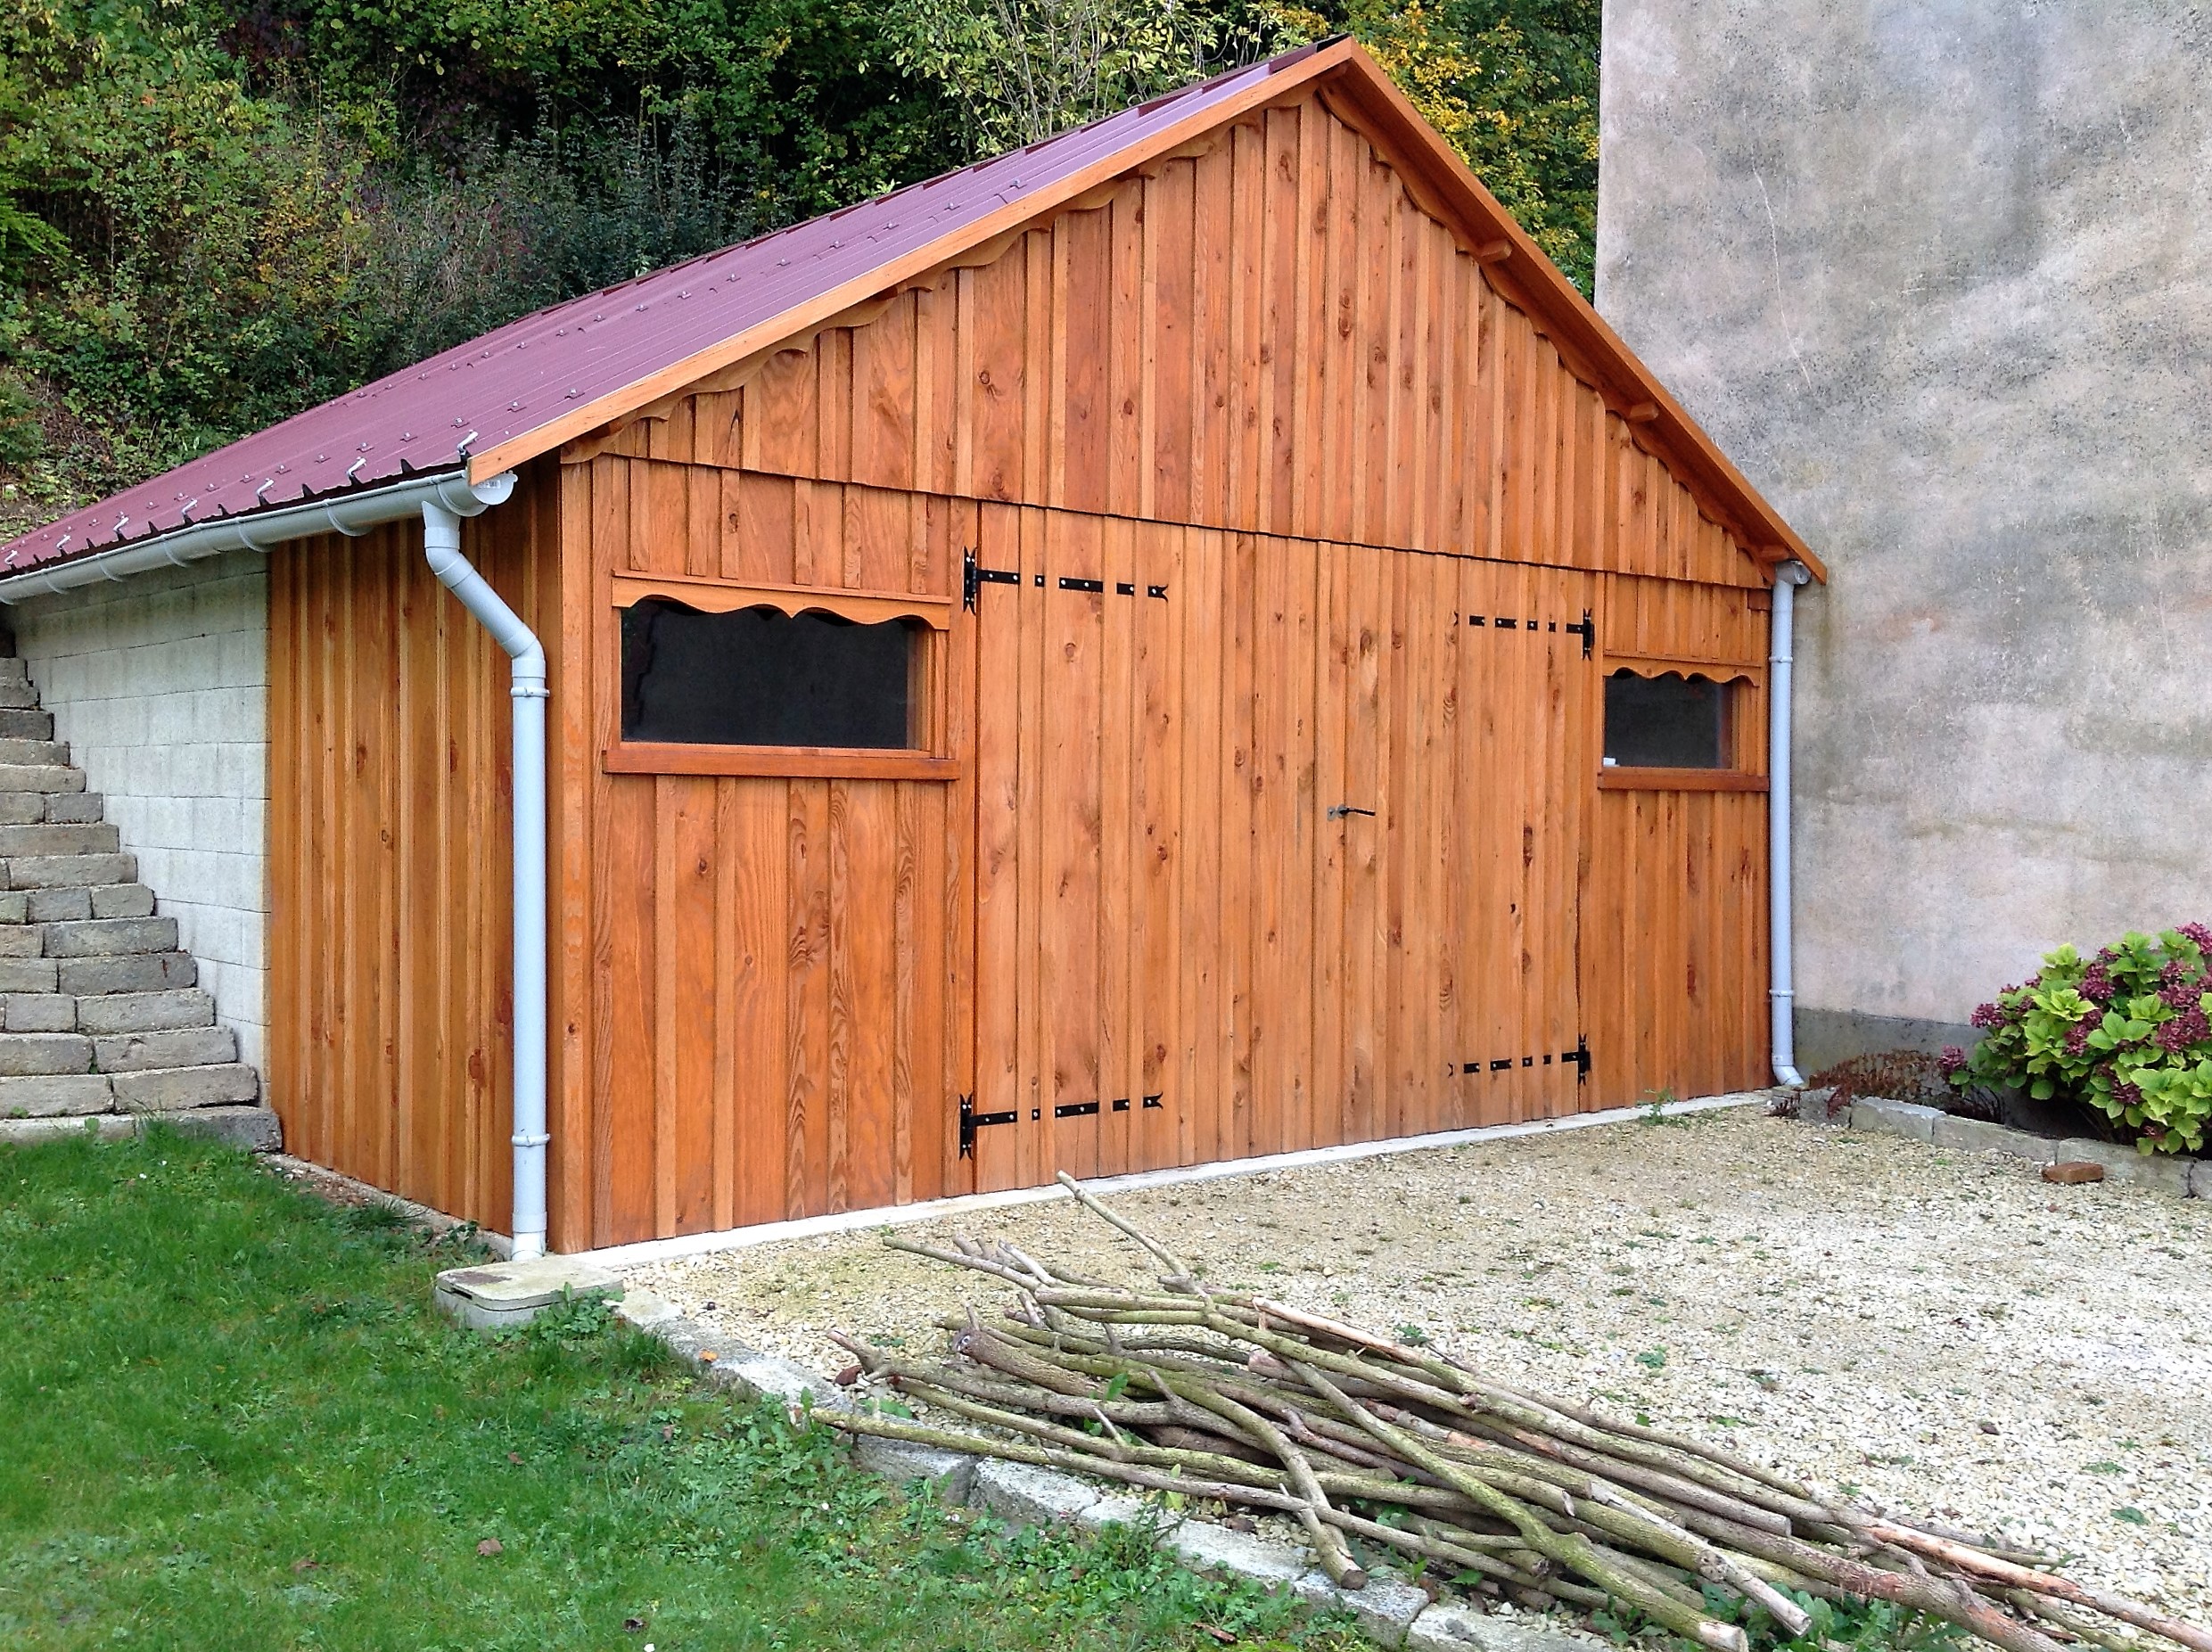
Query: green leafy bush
(2127, 1033)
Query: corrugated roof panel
(524, 376)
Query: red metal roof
(525, 376)
(526, 388)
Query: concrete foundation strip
(2182, 1179)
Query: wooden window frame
(926, 687)
(1737, 737)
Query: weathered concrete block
(21, 725)
(47, 778)
(1458, 1627)
(495, 1295)
(81, 810)
(22, 807)
(1023, 1495)
(16, 749)
(37, 1012)
(46, 1096)
(103, 1126)
(71, 871)
(107, 937)
(172, 1088)
(1212, 1548)
(1385, 1609)
(1980, 1136)
(1119, 1508)
(57, 906)
(181, 1047)
(764, 1376)
(17, 696)
(21, 941)
(27, 974)
(38, 839)
(14, 907)
(1897, 1118)
(136, 972)
(146, 1012)
(122, 901)
(25, 1053)
(2200, 1180)
(644, 1310)
(950, 1474)
(254, 1130)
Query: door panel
(1275, 846)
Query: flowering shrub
(2128, 1032)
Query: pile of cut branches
(1246, 1401)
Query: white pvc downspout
(442, 546)
(1782, 995)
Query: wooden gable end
(1272, 334)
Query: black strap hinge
(972, 1121)
(1587, 630)
(973, 578)
(1580, 1056)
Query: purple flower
(2190, 1027)
(2198, 933)
(2097, 985)
(1950, 1061)
(2078, 1039)
(1986, 1016)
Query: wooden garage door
(1276, 846)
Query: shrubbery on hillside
(216, 212)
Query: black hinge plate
(1067, 584)
(1587, 630)
(1580, 1056)
(1075, 1110)
(972, 1121)
(973, 579)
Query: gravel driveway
(1937, 1330)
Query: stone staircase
(100, 1015)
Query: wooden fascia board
(1388, 119)
(817, 311)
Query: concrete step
(16, 750)
(163, 1088)
(40, 777)
(55, 808)
(179, 1047)
(253, 1128)
(37, 838)
(20, 725)
(46, 1096)
(131, 972)
(28, 1055)
(14, 668)
(62, 905)
(144, 1012)
(19, 696)
(98, 938)
(68, 871)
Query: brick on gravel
(1216, 1548)
(1385, 1609)
(1451, 1626)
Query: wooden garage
(1186, 642)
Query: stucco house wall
(161, 685)
(1938, 277)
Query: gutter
(1781, 993)
(441, 500)
(353, 517)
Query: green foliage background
(216, 212)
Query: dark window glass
(1666, 722)
(760, 677)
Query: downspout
(441, 545)
(1782, 995)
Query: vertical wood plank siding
(391, 1019)
(1259, 378)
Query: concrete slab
(494, 1296)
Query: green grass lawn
(230, 1418)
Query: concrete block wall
(160, 683)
